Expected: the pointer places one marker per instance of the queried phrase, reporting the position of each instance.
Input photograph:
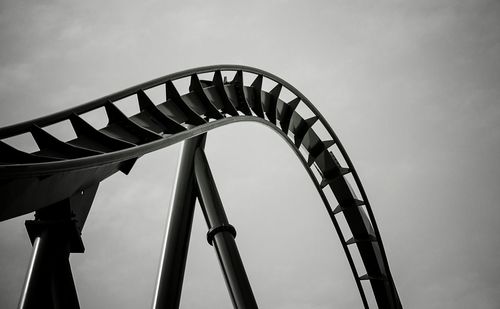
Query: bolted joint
(221, 228)
(64, 228)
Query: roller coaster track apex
(63, 176)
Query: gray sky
(411, 88)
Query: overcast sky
(411, 88)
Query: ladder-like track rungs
(237, 83)
(89, 137)
(373, 278)
(256, 99)
(196, 87)
(205, 102)
(285, 112)
(172, 94)
(156, 117)
(347, 205)
(122, 127)
(303, 127)
(52, 147)
(228, 108)
(328, 180)
(353, 240)
(11, 155)
(269, 102)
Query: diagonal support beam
(178, 232)
(221, 235)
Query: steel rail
(10, 171)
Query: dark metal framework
(59, 181)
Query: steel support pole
(49, 282)
(221, 235)
(173, 260)
(36, 291)
(63, 286)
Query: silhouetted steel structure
(59, 181)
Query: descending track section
(71, 170)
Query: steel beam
(35, 292)
(49, 282)
(178, 232)
(221, 235)
(64, 292)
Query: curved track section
(65, 168)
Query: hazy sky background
(411, 88)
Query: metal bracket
(36, 228)
(218, 229)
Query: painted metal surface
(178, 232)
(49, 281)
(221, 235)
(68, 167)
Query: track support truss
(58, 180)
(221, 235)
(194, 180)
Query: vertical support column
(221, 235)
(63, 288)
(49, 283)
(180, 219)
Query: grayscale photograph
(250, 154)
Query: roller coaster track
(71, 170)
